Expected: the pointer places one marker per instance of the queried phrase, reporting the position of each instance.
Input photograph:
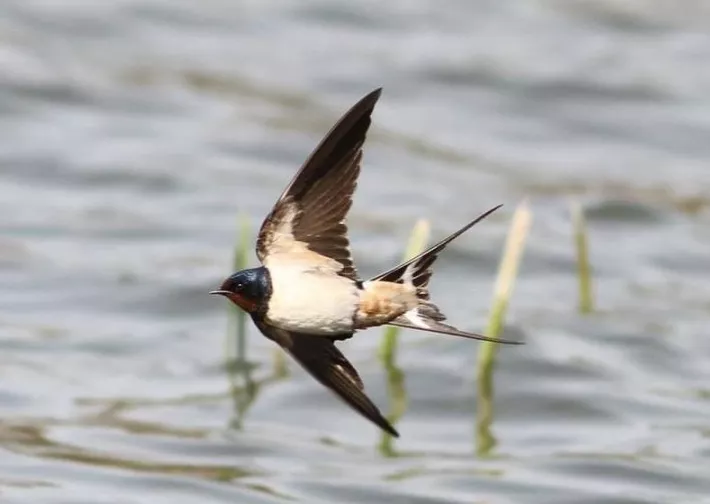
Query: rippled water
(135, 132)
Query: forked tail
(417, 272)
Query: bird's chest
(312, 301)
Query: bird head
(248, 289)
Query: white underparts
(307, 299)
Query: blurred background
(140, 138)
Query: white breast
(306, 299)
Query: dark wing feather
(321, 358)
(311, 211)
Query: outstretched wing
(321, 358)
(307, 222)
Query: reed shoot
(507, 273)
(584, 270)
(389, 344)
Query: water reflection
(507, 274)
(32, 437)
(396, 389)
(132, 138)
(485, 440)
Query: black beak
(220, 292)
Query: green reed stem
(416, 244)
(243, 395)
(507, 273)
(237, 327)
(389, 344)
(584, 270)
(280, 369)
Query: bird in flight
(307, 294)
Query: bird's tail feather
(426, 316)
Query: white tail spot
(408, 275)
(416, 319)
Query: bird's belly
(311, 301)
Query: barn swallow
(307, 294)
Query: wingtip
(389, 429)
(384, 424)
(372, 97)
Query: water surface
(135, 133)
